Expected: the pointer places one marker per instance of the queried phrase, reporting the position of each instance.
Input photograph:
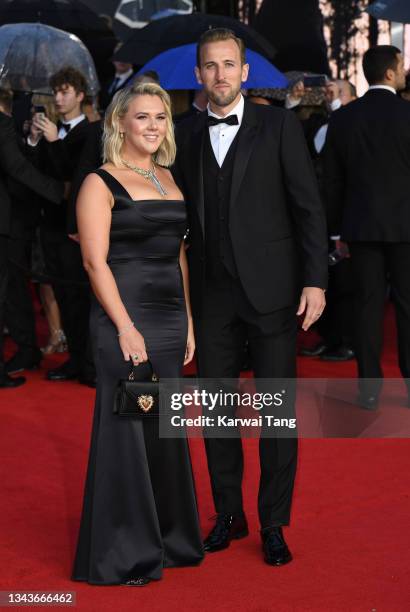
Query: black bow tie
(229, 120)
(65, 126)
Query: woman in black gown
(139, 513)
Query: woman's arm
(190, 347)
(94, 205)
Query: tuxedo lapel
(197, 160)
(246, 142)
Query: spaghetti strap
(112, 183)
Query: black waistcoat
(217, 190)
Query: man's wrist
(33, 142)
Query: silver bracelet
(124, 329)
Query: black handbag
(138, 398)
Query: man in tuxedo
(253, 202)
(124, 74)
(59, 148)
(14, 166)
(367, 186)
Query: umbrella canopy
(31, 52)
(170, 32)
(129, 14)
(136, 14)
(175, 68)
(69, 15)
(392, 10)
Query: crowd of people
(253, 179)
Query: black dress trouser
(374, 264)
(71, 288)
(20, 316)
(226, 320)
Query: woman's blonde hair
(118, 108)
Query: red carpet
(350, 525)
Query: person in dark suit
(59, 148)
(13, 165)
(123, 77)
(253, 202)
(367, 186)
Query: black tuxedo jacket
(14, 165)
(275, 208)
(63, 155)
(60, 159)
(90, 159)
(367, 169)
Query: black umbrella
(70, 15)
(392, 10)
(127, 15)
(169, 32)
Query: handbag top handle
(152, 375)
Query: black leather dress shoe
(368, 402)
(6, 382)
(227, 527)
(67, 371)
(315, 351)
(275, 549)
(137, 582)
(343, 353)
(23, 360)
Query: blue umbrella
(392, 10)
(175, 68)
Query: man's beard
(223, 99)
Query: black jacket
(61, 158)
(14, 165)
(275, 208)
(367, 169)
(89, 160)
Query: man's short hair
(69, 76)
(377, 60)
(6, 99)
(216, 35)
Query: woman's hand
(190, 344)
(133, 346)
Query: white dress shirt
(62, 133)
(222, 135)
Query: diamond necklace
(148, 174)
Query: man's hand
(47, 127)
(342, 247)
(332, 91)
(313, 302)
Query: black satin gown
(139, 511)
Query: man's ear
(245, 72)
(198, 75)
(81, 96)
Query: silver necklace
(150, 175)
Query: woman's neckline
(144, 199)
